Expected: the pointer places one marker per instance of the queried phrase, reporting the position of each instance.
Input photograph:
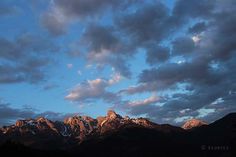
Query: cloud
(94, 89)
(190, 49)
(83, 8)
(7, 9)
(204, 87)
(99, 37)
(28, 71)
(197, 28)
(146, 27)
(25, 58)
(105, 57)
(150, 100)
(183, 45)
(8, 114)
(140, 88)
(54, 22)
(149, 22)
(171, 73)
(104, 47)
(114, 44)
(207, 73)
(50, 86)
(62, 13)
(194, 9)
(157, 54)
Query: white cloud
(218, 101)
(90, 89)
(150, 100)
(94, 89)
(185, 110)
(180, 61)
(197, 38)
(116, 77)
(203, 112)
(182, 119)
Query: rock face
(79, 126)
(193, 123)
(112, 115)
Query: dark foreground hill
(114, 135)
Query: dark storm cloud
(183, 45)
(197, 28)
(171, 73)
(157, 54)
(100, 38)
(224, 36)
(147, 23)
(25, 58)
(194, 8)
(83, 8)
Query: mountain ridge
(78, 124)
(117, 134)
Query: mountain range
(114, 135)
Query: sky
(166, 60)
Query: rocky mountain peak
(31, 122)
(41, 119)
(72, 120)
(80, 126)
(20, 123)
(113, 115)
(192, 123)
